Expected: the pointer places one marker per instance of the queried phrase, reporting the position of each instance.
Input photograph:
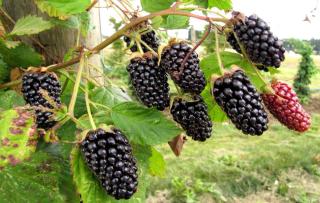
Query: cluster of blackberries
(150, 38)
(109, 156)
(34, 87)
(149, 81)
(193, 117)
(284, 105)
(259, 43)
(241, 102)
(188, 76)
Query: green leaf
(4, 71)
(18, 136)
(90, 188)
(156, 22)
(145, 126)
(156, 5)
(175, 22)
(220, 4)
(20, 56)
(100, 118)
(62, 8)
(10, 99)
(30, 25)
(108, 96)
(157, 164)
(210, 64)
(32, 181)
(12, 44)
(214, 110)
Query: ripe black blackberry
(193, 117)
(190, 77)
(150, 81)
(241, 102)
(259, 43)
(109, 156)
(32, 83)
(150, 38)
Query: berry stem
(148, 47)
(120, 33)
(86, 95)
(76, 87)
(221, 69)
(139, 46)
(266, 87)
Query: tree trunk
(53, 44)
(56, 42)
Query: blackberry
(32, 83)
(150, 81)
(259, 43)
(242, 103)
(109, 156)
(189, 78)
(150, 38)
(285, 106)
(193, 117)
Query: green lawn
(279, 166)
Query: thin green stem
(139, 47)
(218, 51)
(76, 87)
(86, 94)
(148, 47)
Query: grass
(280, 166)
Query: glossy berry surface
(284, 105)
(109, 156)
(150, 82)
(150, 38)
(241, 102)
(193, 117)
(190, 77)
(34, 86)
(259, 43)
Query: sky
(285, 17)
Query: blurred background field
(279, 166)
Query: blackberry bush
(193, 117)
(150, 38)
(149, 81)
(190, 77)
(241, 102)
(261, 46)
(32, 83)
(285, 106)
(109, 156)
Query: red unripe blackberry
(242, 103)
(259, 43)
(109, 156)
(193, 117)
(150, 38)
(284, 105)
(32, 83)
(190, 77)
(150, 81)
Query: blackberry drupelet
(259, 43)
(189, 78)
(109, 156)
(242, 103)
(32, 83)
(150, 81)
(150, 38)
(193, 117)
(285, 106)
